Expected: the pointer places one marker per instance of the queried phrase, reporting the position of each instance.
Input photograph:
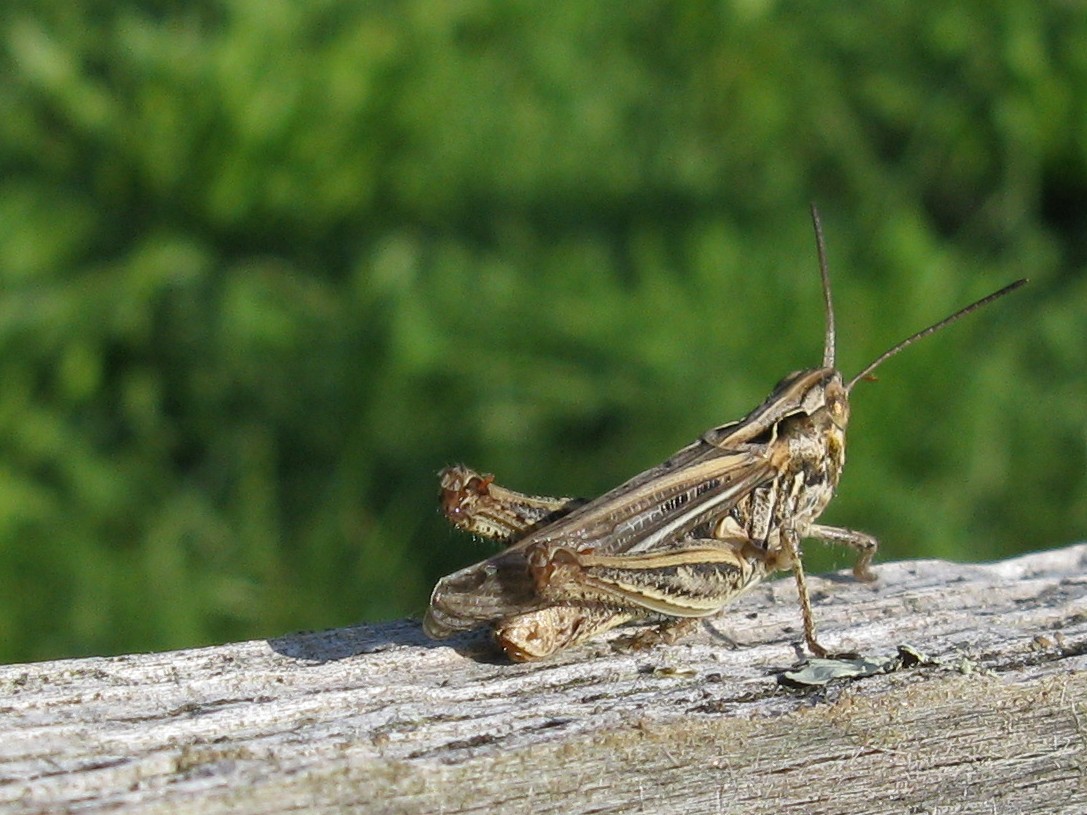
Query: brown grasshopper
(675, 543)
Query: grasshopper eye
(838, 408)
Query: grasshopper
(676, 543)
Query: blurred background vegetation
(266, 267)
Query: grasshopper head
(825, 394)
(812, 392)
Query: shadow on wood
(379, 719)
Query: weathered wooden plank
(378, 719)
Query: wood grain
(378, 719)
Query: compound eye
(838, 407)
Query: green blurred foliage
(267, 266)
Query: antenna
(932, 329)
(829, 341)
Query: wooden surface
(378, 719)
